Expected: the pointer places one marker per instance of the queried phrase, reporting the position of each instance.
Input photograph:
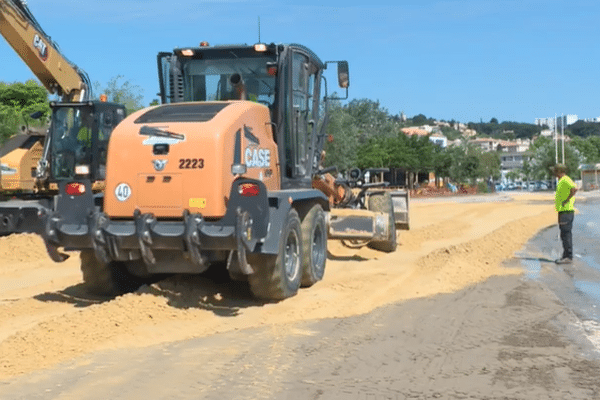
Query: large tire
(314, 246)
(278, 277)
(110, 279)
(382, 202)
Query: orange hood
(190, 170)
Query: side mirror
(343, 74)
(343, 79)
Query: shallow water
(576, 285)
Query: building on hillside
(507, 147)
(436, 137)
(459, 126)
(512, 161)
(549, 122)
(569, 119)
(468, 133)
(517, 146)
(414, 131)
(486, 144)
(439, 139)
(442, 123)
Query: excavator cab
(79, 139)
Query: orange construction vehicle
(26, 167)
(226, 171)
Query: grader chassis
(226, 171)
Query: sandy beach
(446, 316)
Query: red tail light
(75, 189)
(249, 189)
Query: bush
(482, 187)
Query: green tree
(419, 119)
(544, 157)
(527, 171)
(342, 137)
(471, 165)
(17, 101)
(585, 129)
(442, 162)
(457, 171)
(370, 118)
(123, 92)
(451, 133)
(375, 153)
(489, 165)
(513, 175)
(589, 148)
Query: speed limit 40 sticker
(122, 192)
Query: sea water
(577, 285)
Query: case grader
(227, 170)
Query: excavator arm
(36, 49)
(59, 76)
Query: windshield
(210, 79)
(71, 140)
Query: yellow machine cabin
(18, 161)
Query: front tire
(278, 277)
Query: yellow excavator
(25, 159)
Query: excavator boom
(24, 35)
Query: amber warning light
(260, 47)
(249, 189)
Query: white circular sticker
(122, 192)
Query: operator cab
(286, 78)
(79, 142)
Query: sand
(46, 317)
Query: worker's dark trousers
(565, 223)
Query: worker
(564, 200)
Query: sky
(463, 60)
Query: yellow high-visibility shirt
(563, 189)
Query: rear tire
(278, 277)
(382, 202)
(314, 246)
(110, 279)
